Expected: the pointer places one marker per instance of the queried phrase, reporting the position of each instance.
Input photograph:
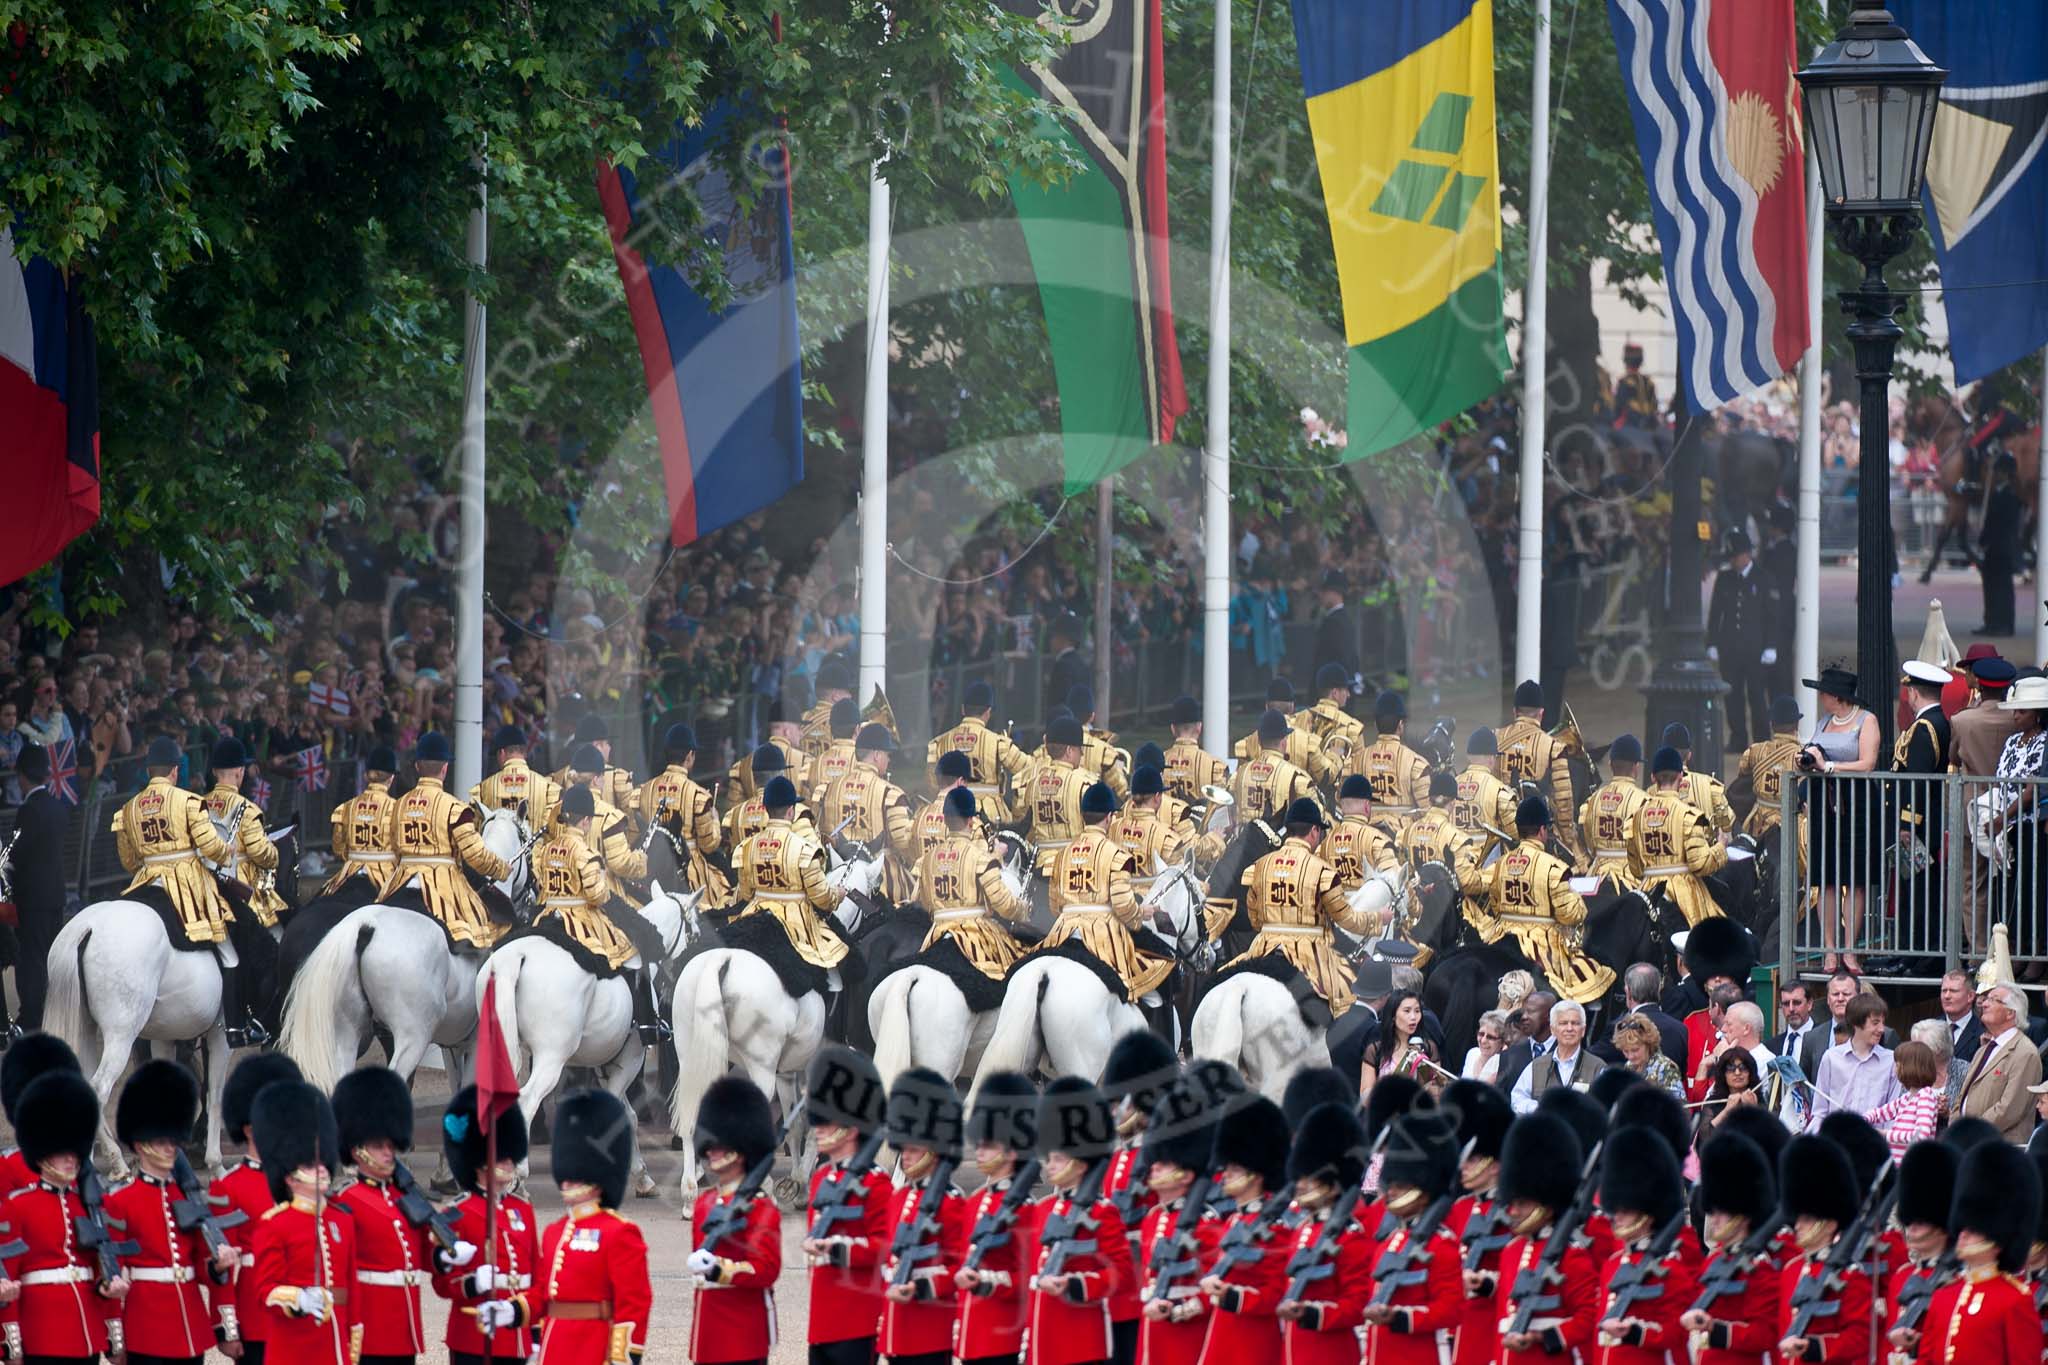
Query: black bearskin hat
(1421, 1150)
(292, 1125)
(924, 1111)
(1540, 1162)
(593, 1135)
(1644, 1180)
(1760, 1126)
(467, 1145)
(59, 1115)
(1073, 1117)
(30, 1056)
(1005, 1112)
(846, 1090)
(1607, 1088)
(1588, 1121)
(1141, 1065)
(1483, 1115)
(1865, 1147)
(1964, 1132)
(1316, 1085)
(1736, 1177)
(1214, 1083)
(1329, 1143)
(1815, 1180)
(371, 1102)
(159, 1102)
(1718, 946)
(733, 1114)
(1655, 1108)
(250, 1075)
(1181, 1129)
(1249, 1136)
(1389, 1098)
(1927, 1183)
(1996, 1188)
(2037, 1153)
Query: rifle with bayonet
(419, 1210)
(1486, 1233)
(1643, 1278)
(1396, 1270)
(1065, 1234)
(1820, 1296)
(729, 1219)
(1245, 1243)
(1125, 1200)
(918, 1240)
(1176, 1261)
(992, 1231)
(193, 1213)
(91, 1230)
(846, 1199)
(1730, 1274)
(1539, 1287)
(1318, 1260)
(1917, 1293)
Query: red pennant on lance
(311, 765)
(63, 769)
(497, 1085)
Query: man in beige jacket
(1995, 1088)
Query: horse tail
(701, 1039)
(65, 1012)
(310, 1031)
(505, 968)
(1219, 1034)
(1462, 1008)
(892, 1037)
(1015, 1044)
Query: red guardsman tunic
(514, 1252)
(992, 1317)
(735, 1320)
(1844, 1335)
(1744, 1328)
(592, 1290)
(238, 1310)
(846, 1300)
(1072, 1328)
(1974, 1322)
(1176, 1343)
(1422, 1310)
(1662, 1338)
(60, 1311)
(1327, 1333)
(1243, 1327)
(1569, 1326)
(925, 1327)
(291, 1256)
(392, 1265)
(164, 1314)
(1125, 1304)
(1478, 1333)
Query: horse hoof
(689, 1197)
(444, 1186)
(644, 1187)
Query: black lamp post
(1870, 100)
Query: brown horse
(1964, 468)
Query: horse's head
(505, 834)
(1177, 893)
(1014, 860)
(856, 867)
(1380, 896)
(674, 915)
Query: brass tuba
(878, 712)
(1568, 735)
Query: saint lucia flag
(1400, 101)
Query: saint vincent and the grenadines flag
(1400, 102)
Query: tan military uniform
(816, 735)
(362, 837)
(252, 858)
(1189, 768)
(740, 783)
(1527, 894)
(996, 766)
(161, 835)
(614, 785)
(573, 888)
(1399, 778)
(833, 762)
(962, 886)
(750, 817)
(1529, 753)
(1153, 842)
(1053, 809)
(1432, 836)
(1706, 795)
(1671, 845)
(878, 808)
(1483, 800)
(674, 795)
(1352, 845)
(1604, 821)
(1340, 733)
(1092, 900)
(1292, 898)
(781, 873)
(1266, 785)
(624, 862)
(1760, 776)
(1301, 748)
(436, 837)
(1110, 764)
(518, 787)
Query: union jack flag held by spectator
(311, 766)
(64, 772)
(259, 791)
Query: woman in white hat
(2025, 755)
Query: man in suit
(1070, 667)
(1996, 1087)
(1336, 633)
(1959, 1013)
(1736, 621)
(38, 874)
(1843, 987)
(1566, 1062)
(1977, 733)
(1535, 1040)
(1795, 1011)
(1641, 985)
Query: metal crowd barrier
(1912, 869)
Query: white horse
(390, 965)
(920, 1018)
(555, 1014)
(1253, 1023)
(1056, 1014)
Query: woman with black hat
(735, 1306)
(509, 1252)
(65, 1308)
(1844, 814)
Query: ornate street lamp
(1870, 101)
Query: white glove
(702, 1263)
(484, 1277)
(1770, 657)
(498, 1313)
(464, 1253)
(313, 1304)
(1714, 653)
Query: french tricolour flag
(1717, 120)
(49, 413)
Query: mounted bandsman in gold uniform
(1526, 894)
(749, 817)
(1484, 801)
(1292, 899)
(362, 826)
(1703, 793)
(836, 758)
(961, 886)
(1671, 844)
(996, 766)
(1299, 744)
(1529, 753)
(1340, 733)
(834, 685)
(874, 811)
(1092, 899)
(1760, 773)
(672, 798)
(437, 838)
(252, 858)
(781, 874)
(1052, 809)
(1604, 819)
(609, 835)
(1399, 776)
(615, 784)
(1189, 767)
(515, 786)
(576, 893)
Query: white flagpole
(1535, 326)
(2041, 533)
(1806, 591)
(874, 478)
(1216, 458)
(469, 569)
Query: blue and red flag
(64, 771)
(49, 413)
(1717, 121)
(725, 384)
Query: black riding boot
(243, 1028)
(654, 1030)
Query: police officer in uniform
(614, 785)
(1292, 899)
(1090, 888)
(515, 786)
(873, 809)
(576, 893)
(1189, 767)
(1526, 894)
(1267, 783)
(1760, 772)
(437, 840)
(362, 828)
(1053, 799)
(1604, 819)
(1671, 845)
(961, 885)
(162, 834)
(781, 873)
(1335, 729)
(1399, 776)
(1703, 793)
(995, 765)
(252, 858)
(672, 798)
(1529, 753)
(1483, 799)
(746, 818)
(834, 685)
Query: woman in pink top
(1916, 1112)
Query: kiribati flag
(723, 379)
(49, 413)
(1717, 120)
